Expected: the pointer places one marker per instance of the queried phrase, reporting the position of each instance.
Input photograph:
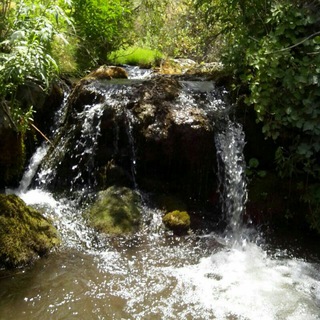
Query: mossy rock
(116, 211)
(24, 233)
(177, 221)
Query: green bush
(102, 27)
(272, 48)
(26, 52)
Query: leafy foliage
(273, 49)
(101, 27)
(175, 28)
(25, 52)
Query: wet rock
(176, 66)
(177, 221)
(24, 233)
(116, 211)
(157, 134)
(12, 151)
(108, 72)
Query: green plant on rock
(136, 56)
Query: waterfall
(90, 119)
(129, 130)
(231, 173)
(32, 168)
(153, 274)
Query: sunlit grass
(135, 56)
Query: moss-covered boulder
(24, 233)
(116, 211)
(177, 221)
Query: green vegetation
(135, 56)
(175, 28)
(102, 27)
(25, 52)
(24, 233)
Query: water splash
(129, 129)
(66, 216)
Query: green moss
(116, 211)
(24, 233)
(135, 56)
(177, 221)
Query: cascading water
(229, 144)
(154, 275)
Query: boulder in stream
(116, 211)
(24, 233)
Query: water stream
(155, 275)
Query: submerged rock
(24, 233)
(116, 211)
(177, 221)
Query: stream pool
(155, 275)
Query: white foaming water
(90, 119)
(32, 168)
(65, 215)
(244, 283)
(135, 72)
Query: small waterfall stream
(231, 163)
(153, 274)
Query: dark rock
(12, 152)
(157, 134)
